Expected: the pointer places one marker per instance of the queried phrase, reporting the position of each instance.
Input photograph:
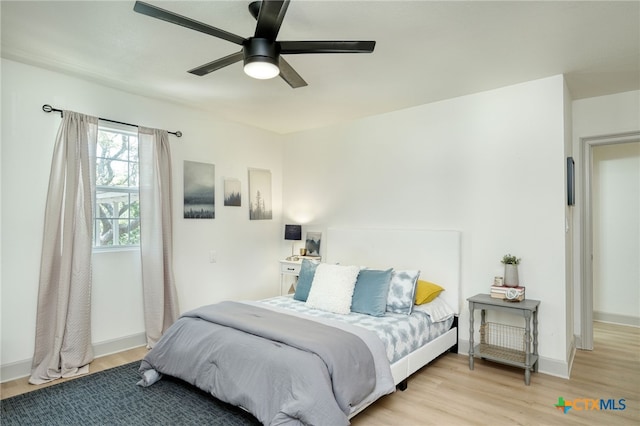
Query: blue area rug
(111, 397)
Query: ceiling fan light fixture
(261, 67)
(261, 53)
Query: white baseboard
(578, 341)
(554, 367)
(616, 318)
(463, 347)
(19, 369)
(118, 345)
(550, 366)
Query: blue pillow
(371, 291)
(305, 278)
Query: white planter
(511, 275)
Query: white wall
(490, 164)
(592, 117)
(247, 251)
(616, 233)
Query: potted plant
(510, 270)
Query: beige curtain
(63, 324)
(156, 233)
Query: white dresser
(289, 271)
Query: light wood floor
(447, 393)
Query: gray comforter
(283, 369)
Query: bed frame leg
(454, 348)
(402, 385)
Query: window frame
(132, 193)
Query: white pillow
(438, 310)
(332, 288)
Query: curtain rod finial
(49, 108)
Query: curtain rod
(49, 108)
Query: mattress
(401, 334)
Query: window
(117, 209)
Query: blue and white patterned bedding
(400, 333)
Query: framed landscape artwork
(232, 192)
(199, 190)
(260, 194)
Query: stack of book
(500, 292)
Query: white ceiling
(426, 51)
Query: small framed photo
(312, 243)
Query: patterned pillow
(402, 291)
(305, 279)
(332, 288)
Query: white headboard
(435, 253)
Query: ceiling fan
(260, 53)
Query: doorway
(590, 242)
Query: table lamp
(293, 233)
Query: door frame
(586, 232)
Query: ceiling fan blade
(174, 18)
(270, 18)
(217, 64)
(288, 74)
(295, 47)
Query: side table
(492, 346)
(288, 268)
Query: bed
(303, 359)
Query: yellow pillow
(426, 292)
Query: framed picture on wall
(571, 185)
(199, 190)
(260, 194)
(232, 194)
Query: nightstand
(502, 343)
(288, 269)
